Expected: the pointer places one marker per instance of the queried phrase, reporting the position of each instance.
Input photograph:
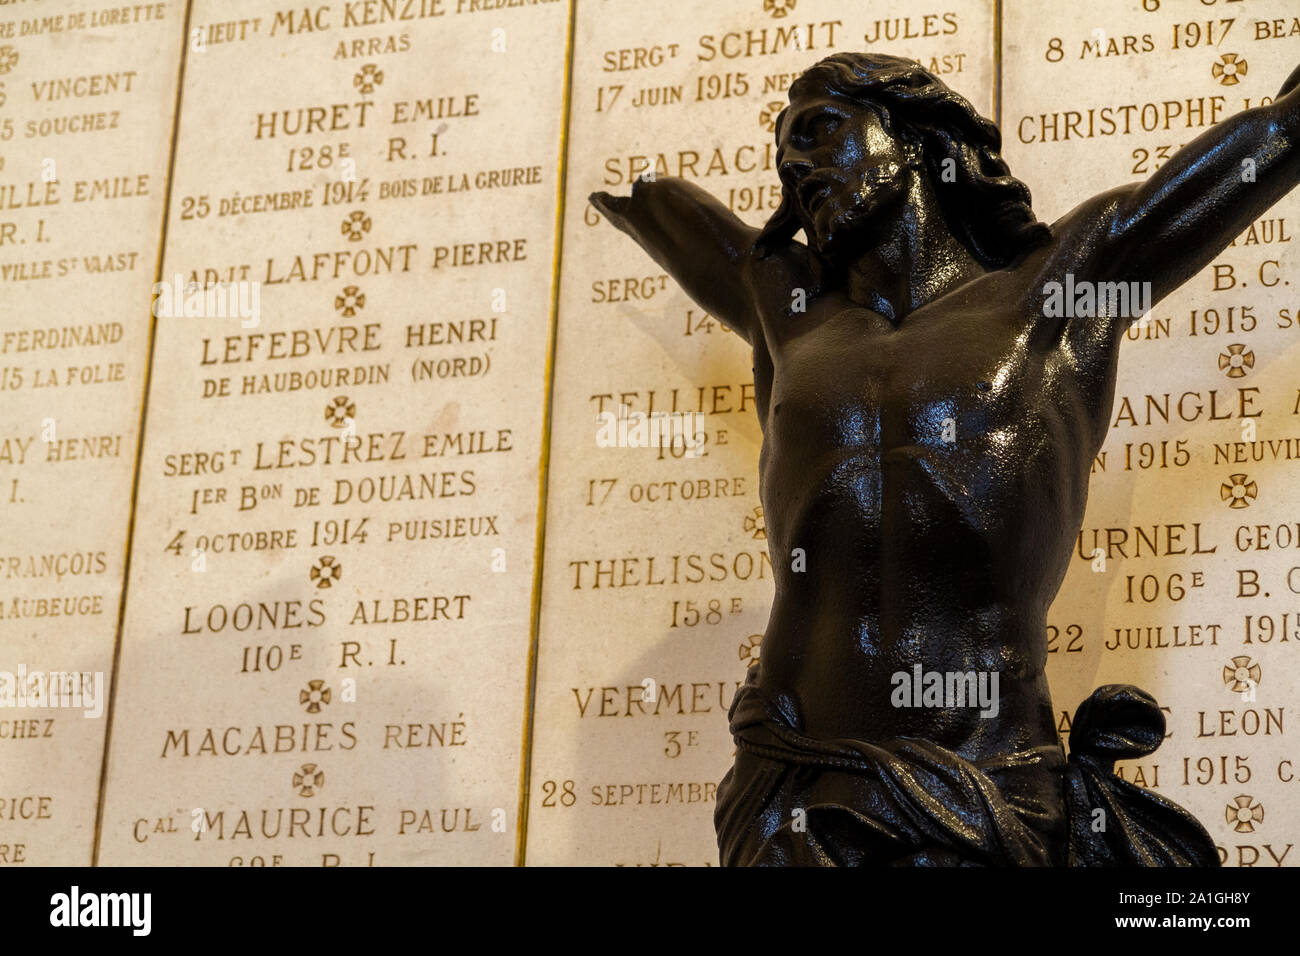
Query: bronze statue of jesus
(929, 423)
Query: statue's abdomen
(913, 529)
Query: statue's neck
(917, 262)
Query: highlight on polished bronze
(934, 372)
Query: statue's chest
(956, 432)
(933, 387)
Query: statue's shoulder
(1089, 231)
(779, 267)
(1083, 244)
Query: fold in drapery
(795, 800)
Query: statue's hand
(614, 208)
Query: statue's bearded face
(844, 171)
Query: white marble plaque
(87, 97)
(1187, 570)
(657, 579)
(326, 643)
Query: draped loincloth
(795, 800)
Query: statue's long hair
(986, 207)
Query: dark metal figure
(929, 422)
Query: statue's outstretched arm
(696, 240)
(1168, 228)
